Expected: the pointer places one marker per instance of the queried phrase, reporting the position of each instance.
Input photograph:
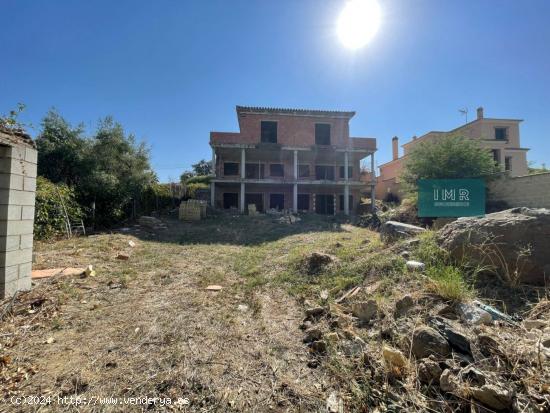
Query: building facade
(500, 136)
(290, 159)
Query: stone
(493, 396)
(315, 312)
(317, 261)
(335, 404)
(123, 257)
(313, 334)
(473, 376)
(474, 315)
(427, 341)
(406, 255)
(394, 357)
(150, 222)
(214, 288)
(403, 305)
(454, 337)
(393, 230)
(318, 347)
(534, 324)
(415, 265)
(429, 371)
(496, 239)
(448, 382)
(332, 338)
(365, 310)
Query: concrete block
(10, 243)
(31, 155)
(10, 212)
(11, 181)
(13, 152)
(9, 274)
(29, 184)
(16, 257)
(25, 270)
(14, 197)
(24, 284)
(16, 227)
(26, 241)
(27, 212)
(8, 289)
(18, 167)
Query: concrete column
(295, 165)
(243, 163)
(212, 194)
(214, 162)
(242, 206)
(17, 197)
(373, 178)
(346, 199)
(295, 198)
(346, 187)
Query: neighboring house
(291, 159)
(500, 136)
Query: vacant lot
(146, 326)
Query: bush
(52, 200)
(156, 197)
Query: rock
(513, 230)
(403, 305)
(313, 334)
(393, 230)
(317, 261)
(474, 315)
(315, 312)
(406, 254)
(473, 376)
(394, 357)
(448, 382)
(150, 222)
(318, 347)
(429, 371)
(365, 310)
(415, 265)
(427, 341)
(214, 288)
(305, 325)
(546, 342)
(242, 308)
(534, 324)
(123, 257)
(353, 347)
(331, 338)
(494, 396)
(456, 339)
(335, 404)
(447, 311)
(441, 222)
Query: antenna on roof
(464, 112)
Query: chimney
(480, 112)
(395, 147)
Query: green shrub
(49, 214)
(156, 197)
(191, 189)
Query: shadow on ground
(235, 229)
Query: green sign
(451, 197)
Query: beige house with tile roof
(500, 136)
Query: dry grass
(147, 326)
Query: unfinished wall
(17, 195)
(527, 191)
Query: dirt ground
(146, 327)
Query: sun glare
(358, 23)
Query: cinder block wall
(17, 195)
(522, 191)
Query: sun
(358, 23)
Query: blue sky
(172, 71)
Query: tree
(62, 150)
(449, 157)
(202, 168)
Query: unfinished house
(290, 159)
